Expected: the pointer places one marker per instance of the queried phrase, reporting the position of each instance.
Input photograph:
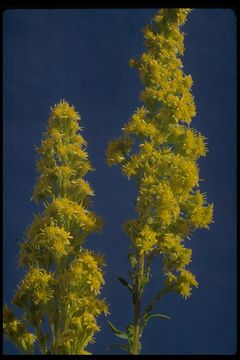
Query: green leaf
(132, 275)
(165, 317)
(146, 278)
(147, 317)
(117, 332)
(125, 283)
(121, 346)
(133, 260)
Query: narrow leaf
(120, 346)
(148, 317)
(159, 316)
(125, 283)
(117, 332)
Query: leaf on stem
(121, 346)
(119, 333)
(147, 317)
(159, 316)
(125, 283)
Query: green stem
(41, 340)
(135, 349)
(56, 325)
(156, 298)
(53, 338)
(136, 345)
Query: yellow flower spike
(63, 280)
(168, 205)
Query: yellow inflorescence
(169, 204)
(63, 281)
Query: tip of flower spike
(64, 110)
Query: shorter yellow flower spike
(63, 280)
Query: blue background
(82, 56)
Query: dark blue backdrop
(81, 56)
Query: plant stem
(41, 340)
(156, 298)
(136, 342)
(136, 345)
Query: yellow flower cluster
(64, 118)
(169, 204)
(159, 202)
(146, 241)
(78, 299)
(86, 271)
(183, 283)
(37, 286)
(63, 281)
(63, 157)
(57, 240)
(16, 331)
(79, 189)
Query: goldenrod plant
(59, 296)
(159, 149)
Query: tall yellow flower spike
(59, 295)
(169, 205)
